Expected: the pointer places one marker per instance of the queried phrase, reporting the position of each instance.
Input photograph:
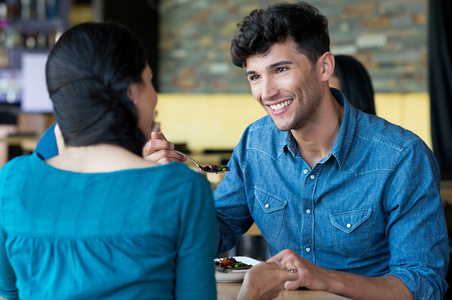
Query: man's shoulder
(380, 145)
(380, 131)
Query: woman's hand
(159, 150)
(265, 281)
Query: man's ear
(327, 66)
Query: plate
(235, 275)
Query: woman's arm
(7, 276)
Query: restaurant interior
(204, 101)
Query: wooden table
(230, 291)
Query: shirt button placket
(308, 223)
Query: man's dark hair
(88, 73)
(262, 28)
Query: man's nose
(269, 89)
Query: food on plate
(232, 264)
(215, 168)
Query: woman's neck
(97, 159)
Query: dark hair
(262, 28)
(88, 73)
(355, 83)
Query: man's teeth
(280, 106)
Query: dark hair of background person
(355, 82)
(88, 73)
(284, 21)
(439, 84)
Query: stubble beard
(305, 112)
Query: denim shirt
(371, 206)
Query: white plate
(235, 275)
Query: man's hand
(349, 285)
(310, 275)
(159, 150)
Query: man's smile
(279, 106)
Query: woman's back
(130, 234)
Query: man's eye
(281, 69)
(253, 77)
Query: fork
(207, 169)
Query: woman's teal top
(132, 234)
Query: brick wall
(388, 36)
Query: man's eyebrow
(250, 72)
(272, 66)
(279, 63)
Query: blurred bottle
(30, 40)
(41, 40)
(3, 14)
(51, 36)
(13, 9)
(52, 9)
(25, 10)
(41, 8)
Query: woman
(98, 221)
(352, 79)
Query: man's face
(286, 84)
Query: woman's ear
(59, 139)
(133, 90)
(327, 67)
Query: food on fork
(215, 168)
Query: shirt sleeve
(233, 214)
(8, 288)
(195, 272)
(416, 227)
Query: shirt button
(308, 249)
(305, 171)
(267, 205)
(308, 211)
(349, 225)
(312, 176)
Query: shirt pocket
(352, 232)
(272, 215)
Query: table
(230, 291)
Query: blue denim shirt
(371, 207)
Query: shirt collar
(344, 139)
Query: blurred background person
(351, 77)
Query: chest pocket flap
(350, 220)
(269, 203)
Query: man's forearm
(367, 288)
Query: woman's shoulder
(20, 162)
(181, 173)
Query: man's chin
(280, 126)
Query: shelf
(19, 35)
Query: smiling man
(355, 198)
(349, 199)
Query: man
(355, 198)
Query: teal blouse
(131, 234)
